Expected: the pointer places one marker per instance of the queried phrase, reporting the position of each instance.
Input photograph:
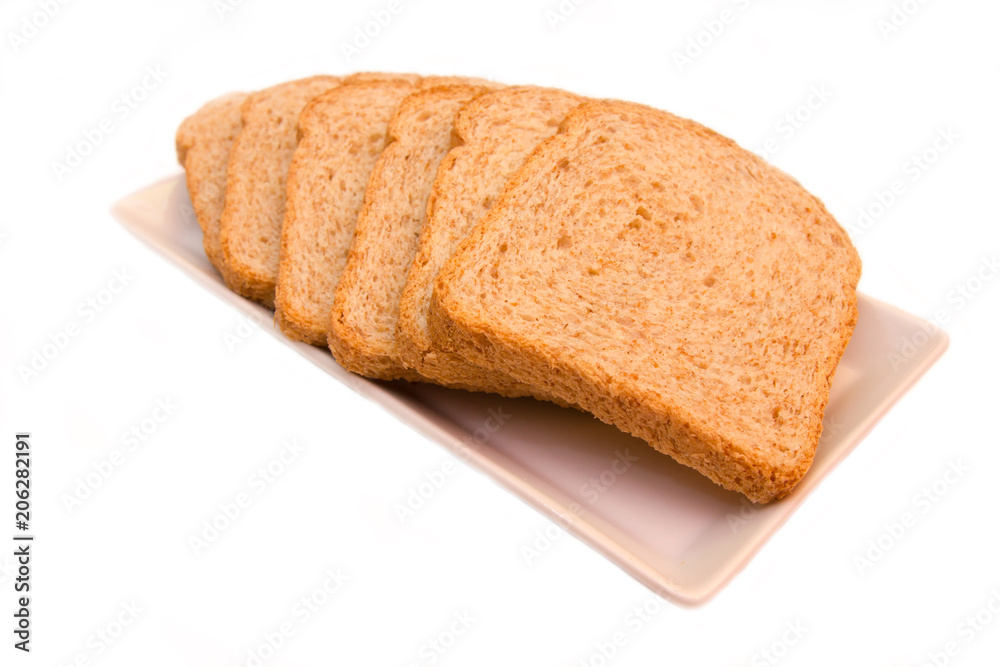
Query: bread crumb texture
(653, 272)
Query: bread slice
(496, 132)
(342, 134)
(668, 281)
(362, 333)
(203, 141)
(418, 80)
(384, 77)
(255, 197)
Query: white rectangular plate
(666, 525)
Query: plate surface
(666, 525)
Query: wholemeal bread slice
(418, 80)
(384, 77)
(342, 134)
(362, 333)
(668, 281)
(496, 132)
(250, 227)
(203, 141)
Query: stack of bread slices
(530, 242)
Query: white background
(164, 337)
